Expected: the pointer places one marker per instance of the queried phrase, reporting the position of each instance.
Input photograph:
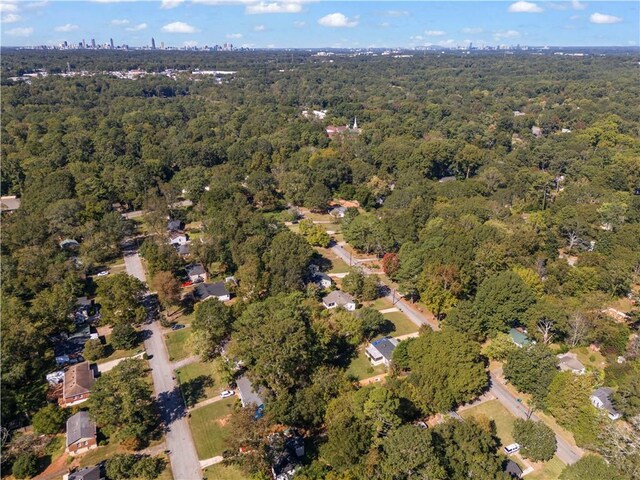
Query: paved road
(413, 315)
(134, 266)
(185, 464)
(566, 452)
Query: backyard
(361, 368)
(208, 426)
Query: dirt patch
(222, 421)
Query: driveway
(566, 452)
(412, 314)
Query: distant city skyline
(309, 24)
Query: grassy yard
(177, 344)
(99, 454)
(379, 304)
(200, 381)
(226, 472)
(361, 368)
(550, 470)
(502, 418)
(585, 356)
(120, 353)
(208, 426)
(402, 323)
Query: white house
(601, 400)
(381, 351)
(322, 280)
(196, 273)
(339, 299)
(338, 212)
(177, 238)
(205, 291)
(569, 362)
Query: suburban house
(601, 400)
(86, 473)
(81, 434)
(322, 280)
(248, 396)
(205, 291)
(178, 238)
(175, 225)
(536, 131)
(381, 351)
(196, 273)
(287, 457)
(76, 386)
(338, 212)
(519, 338)
(69, 244)
(10, 203)
(339, 299)
(568, 362)
(183, 250)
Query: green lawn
(177, 344)
(502, 418)
(550, 470)
(226, 472)
(200, 381)
(585, 355)
(120, 353)
(99, 454)
(402, 323)
(208, 427)
(361, 367)
(380, 304)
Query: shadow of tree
(171, 406)
(194, 389)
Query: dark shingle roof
(196, 269)
(338, 297)
(385, 346)
(87, 473)
(206, 290)
(80, 426)
(78, 379)
(246, 392)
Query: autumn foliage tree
(390, 264)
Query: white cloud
(112, 1)
(259, 28)
(119, 23)
(179, 27)
(8, 6)
(69, 27)
(190, 43)
(475, 30)
(36, 4)
(417, 37)
(137, 28)
(234, 35)
(273, 7)
(603, 19)
(167, 4)
(10, 18)
(524, 7)
(299, 23)
(397, 13)
(577, 5)
(338, 20)
(20, 32)
(506, 34)
(434, 33)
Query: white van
(513, 448)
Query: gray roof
(604, 394)
(175, 225)
(87, 473)
(196, 269)
(246, 392)
(80, 426)
(513, 469)
(322, 276)
(9, 203)
(385, 346)
(206, 290)
(183, 249)
(338, 297)
(569, 361)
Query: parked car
(186, 284)
(177, 326)
(227, 393)
(103, 273)
(513, 448)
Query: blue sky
(304, 23)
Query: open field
(208, 426)
(219, 472)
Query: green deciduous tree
(94, 350)
(167, 287)
(25, 466)
(314, 234)
(446, 370)
(123, 336)
(121, 403)
(537, 441)
(49, 420)
(531, 370)
(500, 347)
(120, 295)
(287, 260)
(210, 327)
(592, 467)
